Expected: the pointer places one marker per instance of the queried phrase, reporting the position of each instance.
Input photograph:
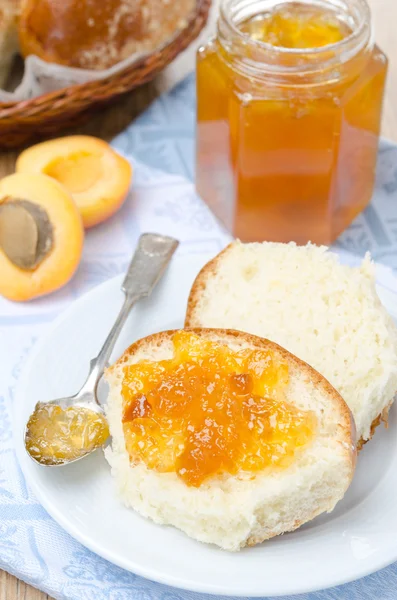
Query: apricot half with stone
(41, 236)
(97, 177)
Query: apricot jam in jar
(289, 107)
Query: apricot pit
(93, 173)
(26, 234)
(41, 236)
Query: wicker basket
(20, 122)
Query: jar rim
(352, 39)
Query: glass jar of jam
(289, 107)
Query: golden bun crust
(96, 34)
(200, 283)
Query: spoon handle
(147, 266)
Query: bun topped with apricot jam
(226, 436)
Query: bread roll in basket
(8, 37)
(91, 43)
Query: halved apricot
(41, 236)
(97, 177)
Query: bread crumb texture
(327, 314)
(236, 511)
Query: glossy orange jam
(210, 410)
(287, 138)
(296, 26)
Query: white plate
(358, 538)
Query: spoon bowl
(74, 427)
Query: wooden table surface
(117, 117)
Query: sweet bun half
(326, 313)
(240, 510)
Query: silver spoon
(148, 264)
